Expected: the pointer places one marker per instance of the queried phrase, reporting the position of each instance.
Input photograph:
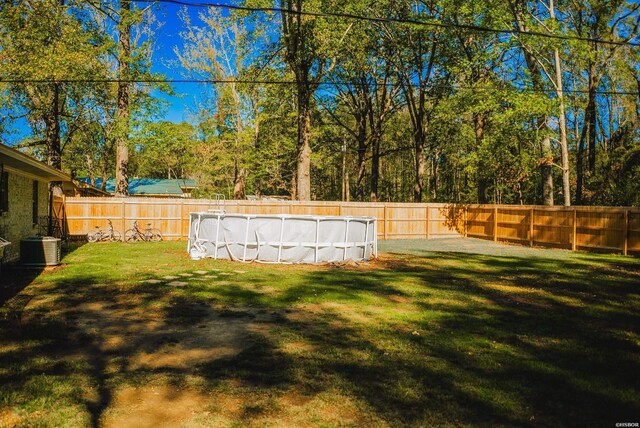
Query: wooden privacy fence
(575, 228)
(586, 228)
(57, 225)
(171, 216)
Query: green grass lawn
(420, 337)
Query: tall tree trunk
(435, 172)
(375, 168)
(546, 167)
(587, 142)
(420, 166)
(239, 181)
(124, 57)
(303, 169)
(53, 132)
(299, 55)
(362, 152)
(345, 185)
(52, 129)
(52, 138)
(294, 184)
(564, 147)
(562, 121)
(591, 117)
(546, 162)
(418, 105)
(638, 98)
(90, 170)
(580, 165)
(479, 122)
(579, 149)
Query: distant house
(153, 187)
(81, 188)
(24, 197)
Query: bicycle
(148, 235)
(104, 235)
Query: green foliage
(451, 114)
(436, 333)
(42, 40)
(164, 150)
(46, 44)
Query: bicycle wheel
(93, 236)
(155, 235)
(131, 236)
(115, 236)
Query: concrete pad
(152, 281)
(432, 247)
(169, 277)
(177, 284)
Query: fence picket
(595, 228)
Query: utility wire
(447, 25)
(293, 82)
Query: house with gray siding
(24, 197)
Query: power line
(293, 82)
(395, 21)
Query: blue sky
(164, 61)
(166, 38)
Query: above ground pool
(281, 238)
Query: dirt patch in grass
(425, 338)
(153, 342)
(8, 418)
(120, 340)
(298, 348)
(153, 406)
(132, 346)
(399, 299)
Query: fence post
(384, 222)
(532, 212)
(124, 217)
(182, 234)
(65, 226)
(625, 240)
(464, 220)
(575, 229)
(427, 220)
(495, 224)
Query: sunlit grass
(417, 338)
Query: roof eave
(34, 166)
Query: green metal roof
(152, 186)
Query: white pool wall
(281, 238)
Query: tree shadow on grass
(14, 278)
(12, 281)
(486, 341)
(523, 349)
(90, 339)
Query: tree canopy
(517, 101)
